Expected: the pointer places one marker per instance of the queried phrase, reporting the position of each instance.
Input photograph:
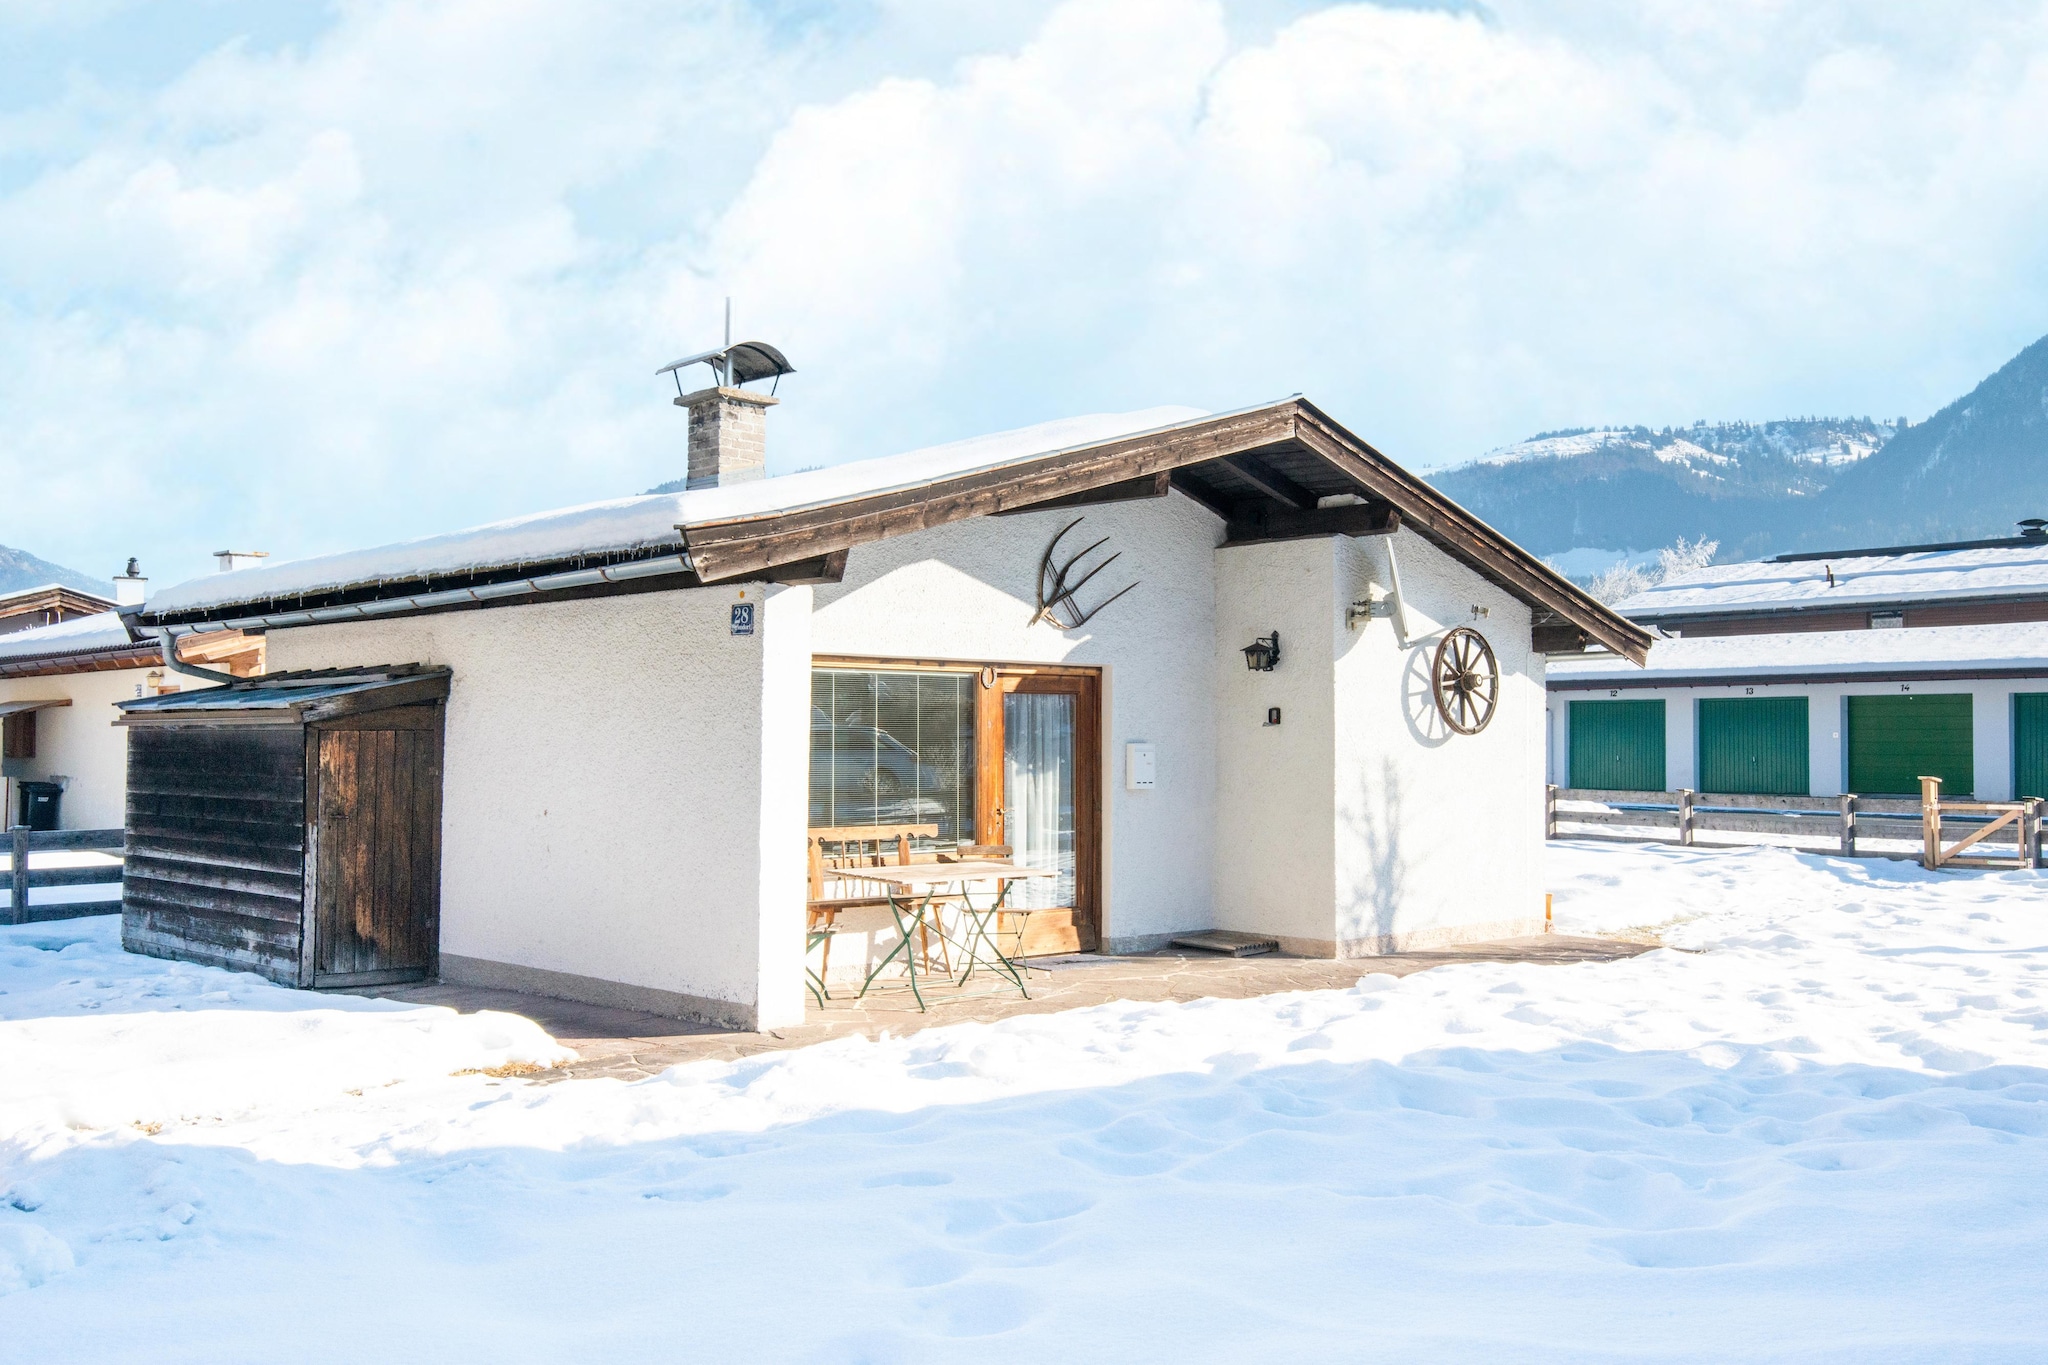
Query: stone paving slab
(630, 1045)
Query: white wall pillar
(1991, 723)
(784, 623)
(1681, 741)
(1274, 848)
(1827, 741)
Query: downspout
(169, 640)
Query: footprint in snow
(912, 1179)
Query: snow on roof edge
(648, 520)
(79, 635)
(53, 586)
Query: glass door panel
(1038, 784)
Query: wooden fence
(1852, 826)
(22, 877)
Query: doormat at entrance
(1228, 942)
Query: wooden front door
(375, 842)
(1042, 796)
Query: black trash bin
(37, 806)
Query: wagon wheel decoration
(1466, 680)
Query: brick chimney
(728, 436)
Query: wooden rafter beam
(1188, 485)
(828, 568)
(1123, 490)
(1363, 519)
(1270, 481)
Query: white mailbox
(1141, 768)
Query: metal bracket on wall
(1388, 605)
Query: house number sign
(743, 618)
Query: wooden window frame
(18, 735)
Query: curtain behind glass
(1038, 820)
(893, 749)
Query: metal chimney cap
(740, 363)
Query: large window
(893, 748)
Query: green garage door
(1753, 744)
(1618, 745)
(2030, 744)
(1895, 741)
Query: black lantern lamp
(1263, 655)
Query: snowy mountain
(19, 569)
(1591, 497)
(1972, 469)
(1618, 489)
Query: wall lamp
(1263, 655)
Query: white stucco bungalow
(649, 701)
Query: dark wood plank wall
(377, 859)
(216, 846)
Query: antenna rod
(728, 341)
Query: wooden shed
(289, 825)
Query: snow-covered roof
(43, 589)
(102, 630)
(1768, 585)
(2013, 646)
(626, 525)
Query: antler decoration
(1057, 586)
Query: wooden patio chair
(891, 843)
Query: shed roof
(1869, 580)
(1267, 471)
(298, 698)
(21, 706)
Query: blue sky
(301, 278)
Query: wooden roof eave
(742, 546)
(110, 660)
(1458, 533)
(735, 548)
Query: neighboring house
(47, 605)
(58, 687)
(1818, 674)
(609, 727)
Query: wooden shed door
(376, 836)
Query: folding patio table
(940, 885)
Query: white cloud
(416, 271)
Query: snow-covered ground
(1819, 1132)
